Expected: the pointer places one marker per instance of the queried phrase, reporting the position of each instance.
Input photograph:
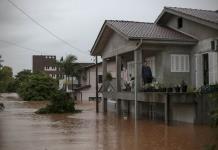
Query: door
(205, 69)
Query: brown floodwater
(21, 129)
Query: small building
(181, 45)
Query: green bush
(37, 87)
(61, 102)
(7, 83)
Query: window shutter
(179, 63)
(198, 70)
(173, 63)
(213, 68)
(187, 63)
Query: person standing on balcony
(146, 73)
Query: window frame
(180, 63)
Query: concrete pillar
(118, 73)
(167, 110)
(119, 109)
(104, 68)
(128, 108)
(105, 105)
(138, 68)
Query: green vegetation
(212, 90)
(37, 87)
(21, 77)
(61, 102)
(7, 82)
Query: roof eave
(166, 41)
(189, 17)
(92, 52)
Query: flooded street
(21, 129)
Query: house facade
(180, 46)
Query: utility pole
(96, 65)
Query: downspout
(136, 78)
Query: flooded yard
(22, 129)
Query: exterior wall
(40, 62)
(183, 113)
(91, 80)
(117, 44)
(197, 30)
(163, 72)
(173, 78)
(201, 32)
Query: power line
(46, 29)
(19, 46)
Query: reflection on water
(21, 129)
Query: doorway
(205, 69)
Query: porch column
(138, 68)
(167, 109)
(104, 67)
(119, 108)
(118, 73)
(105, 105)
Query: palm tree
(69, 67)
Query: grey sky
(76, 21)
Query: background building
(47, 64)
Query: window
(180, 23)
(99, 78)
(46, 67)
(179, 63)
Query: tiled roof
(142, 30)
(207, 15)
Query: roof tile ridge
(169, 7)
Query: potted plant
(177, 88)
(169, 89)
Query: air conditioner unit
(214, 45)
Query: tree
(21, 77)
(38, 87)
(6, 79)
(6, 73)
(70, 68)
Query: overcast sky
(76, 21)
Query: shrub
(37, 87)
(61, 102)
